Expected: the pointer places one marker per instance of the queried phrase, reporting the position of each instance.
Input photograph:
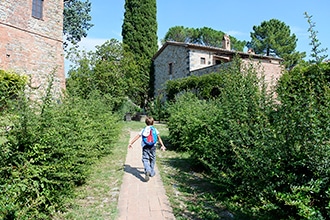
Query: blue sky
(234, 17)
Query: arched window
(37, 8)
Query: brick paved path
(140, 200)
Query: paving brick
(139, 199)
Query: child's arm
(133, 140)
(163, 148)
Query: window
(202, 60)
(37, 8)
(170, 68)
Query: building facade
(31, 42)
(176, 60)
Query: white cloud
(90, 43)
(298, 31)
(237, 33)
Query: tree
(208, 37)
(203, 36)
(315, 42)
(274, 38)
(139, 31)
(109, 71)
(76, 20)
(179, 34)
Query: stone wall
(271, 69)
(183, 59)
(195, 59)
(179, 58)
(31, 46)
(207, 70)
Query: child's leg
(152, 160)
(146, 159)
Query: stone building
(176, 60)
(31, 42)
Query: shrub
(271, 161)
(11, 85)
(48, 152)
(302, 129)
(158, 108)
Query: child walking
(148, 151)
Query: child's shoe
(147, 176)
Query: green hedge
(206, 86)
(270, 159)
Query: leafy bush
(11, 85)
(48, 151)
(186, 119)
(302, 129)
(271, 159)
(158, 108)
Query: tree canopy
(109, 71)
(274, 38)
(204, 36)
(139, 31)
(76, 20)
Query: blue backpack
(151, 138)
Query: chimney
(251, 51)
(226, 42)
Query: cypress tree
(139, 32)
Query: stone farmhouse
(31, 41)
(176, 60)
